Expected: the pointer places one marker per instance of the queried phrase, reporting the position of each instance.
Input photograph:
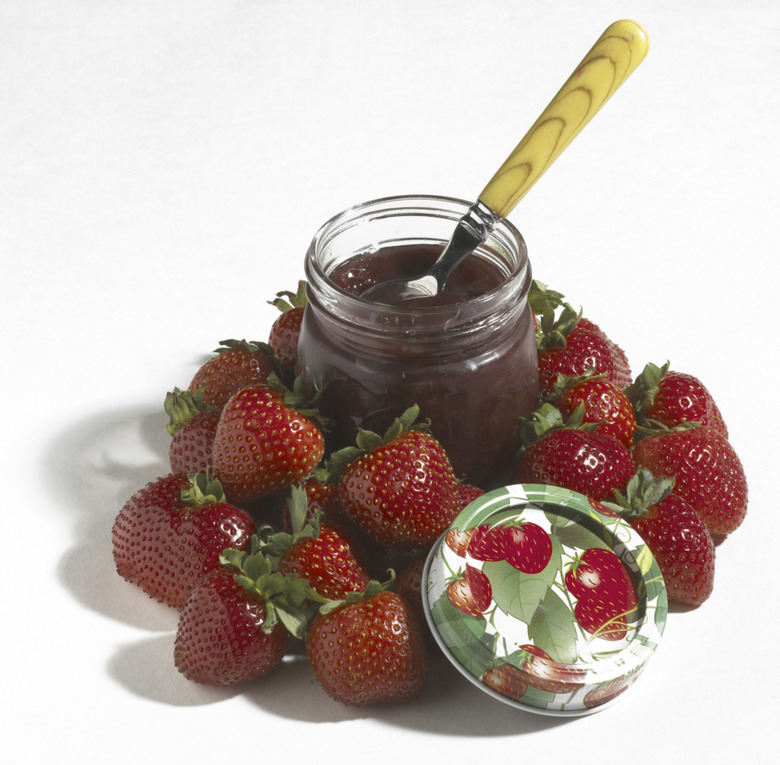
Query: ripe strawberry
(471, 593)
(673, 399)
(604, 591)
(286, 329)
(591, 463)
(675, 534)
(368, 649)
(572, 345)
(237, 364)
(541, 671)
(507, 680)
(401, 488)
(321, 554)
(528, 547)
(192, 425)
(171, 533)
(458, 541)
(487, 543)
(467, 493)
(266, 440)
(708, 473)
(594, 399)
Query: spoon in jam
(608, 64)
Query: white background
(164, 166)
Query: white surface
(164, 165)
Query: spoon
(608, 64)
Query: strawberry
(267, 439)
(237, 364)
(321, 554)
(467, 493)
(604, 591)
(673, 399)
(286, 329)
(171, 533)
(571, 345)
(236, 623)
(458, 541)
(410, 586)
(608, 691)
(399, 488)
(507, 680)
(591, 463)
(471, 593)
(192, 425)
(675, 534)
(594, 399)
(487, 543)
(368, 649)
(707, 471)
(541, 671)
(528, 547)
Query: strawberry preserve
(466, 357)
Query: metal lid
(545, 599)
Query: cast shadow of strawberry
(90, 469)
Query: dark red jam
(466, 357)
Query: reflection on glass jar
(466, 357)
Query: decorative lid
(545, 599)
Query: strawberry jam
(466, 357)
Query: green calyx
(181, 406)
(643, 490)
(367, 441)
(203, 490)
(274, 544)
(293, 398)
(553, 326)
(250, 346)
(288, 599)
(287, 301)
(565, 382)
(642, 392)
(548, 418)
(373, 588)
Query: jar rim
(517, 274)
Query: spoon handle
(619, 50)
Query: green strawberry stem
(203, 490)
(287, 301)
(181, 406)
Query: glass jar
(466, 358)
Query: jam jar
(466, 357)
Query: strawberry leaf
(552, 628)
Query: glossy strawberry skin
(236, 365)
(328, 562)
(261, 446)
(605, 594)
(369, 651)
(591, 463)
(472, 593)
(586, 346)
(404, 493)
(707, 471)
(529, 548)
(604, 403)
(682, 398)
(284, 335)
(220, 640)
(192, 445)
(165, 547)
(682, 547)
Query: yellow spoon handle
(607, 66)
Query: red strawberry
(597, 400)
(458, 541)
(368, 650)
(604, 591)
(468, 493)
(471, 593)
(401, 489)
(591, 463)
(266, 440)
(192, 425)
(572, 345)
(674, 398)
(488, 543)
(528, 547)
(238, 364)
(171, 533)
(321, 554)
(541, 671)
(675, 534)
(410, 586)
(287, 327)
(224, 635)
(507, 680)
(707, 471)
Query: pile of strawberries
(260, 539)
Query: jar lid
(544, 599)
